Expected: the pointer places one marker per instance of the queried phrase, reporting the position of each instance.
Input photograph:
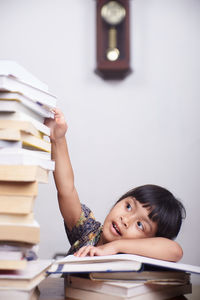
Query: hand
(106, 249)
(58, 125)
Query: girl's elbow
(177, 252)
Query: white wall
(144, 129)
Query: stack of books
(23, 284)
(123, 276)
(25, 161)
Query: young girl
(143, 221)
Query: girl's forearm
(68, 199)
(63, 173)
(157, 247)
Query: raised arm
(68, 199)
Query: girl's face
(128, 219)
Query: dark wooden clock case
(120, 68)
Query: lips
(116, 228)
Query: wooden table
(53, 289)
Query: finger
(58, 112)
(77, 253)
(93, 251)
(86, 251)
(60, 120)
(83, 250)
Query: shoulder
(84, 226)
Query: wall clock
(113, 41)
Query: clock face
(113, 12)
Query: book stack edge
(25, 161)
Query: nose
(125, 221)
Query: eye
(128, 206)
(140, 225)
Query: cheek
(106, 224)
(133, 233)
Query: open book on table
(115, 263)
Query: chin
(106, 238)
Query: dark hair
(165, 209)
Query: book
(35, 106)
(11, 204)
(16, 218)
(71, 265)
(18, 188)
(13, 264)
(10, 144)
(23, 173)
(19, 294)
(27, 140)
(8, 107)
(11, 84)
(26, 279)
(7, 128)
(118, 262)
(10, 156)
(17, 115)
(12, 260)
(147, 277)
(122, 288)
(25, 233)
(28, 251)
(13, 69)
(166, 292)
(17, 197)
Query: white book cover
(29, 251)
(43, 110)
(34, 268)
(26, 279)
(10, 255)
(19, 294)
(10, 144)
(7, 106)
(12, 112)
(19, 156)
(11, 84)
(12, 68)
